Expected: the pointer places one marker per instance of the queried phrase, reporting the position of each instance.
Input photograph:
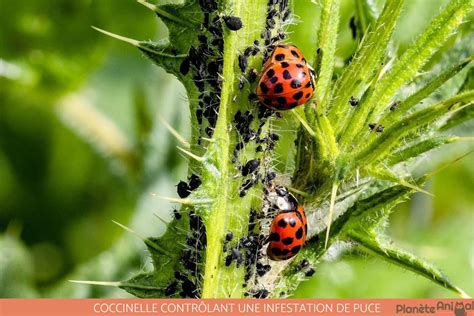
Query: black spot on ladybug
(276, 251)
(303, 60)
(282, 223)
(310, 272)
(308, 85)
(295, 84)
(308, 95)
(287, 241)
(281, 100)
(284, 64)
(286, 74)
(299, 233)
(285, 252)
(267, 101)
(295, 249)
(280, 57)
(233, 23)
(298, 95)
(270, 73)
(274, 237)
(278, 88)
(292, 105)
(274, 80)
(263, 87)
(299, 65)
(295, 54)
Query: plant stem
(229, 211)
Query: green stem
(229, 211)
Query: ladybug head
(282, 200)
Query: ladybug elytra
(286, 80)
(287, 234)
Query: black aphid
(183, 189)
(353, 101)
(233, 23)
(250, 167)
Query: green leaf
(365, 63)
(458, 118)
(182, 20)
(406, 67)
(377, 149)
(419, 147)
(403, 107)
(385, 174)
(327, 39)
(365, 16)
(144, 285)
(372, 243)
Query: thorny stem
(229, 212)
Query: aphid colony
(284, 82)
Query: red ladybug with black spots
(286, 80)
(287, 234)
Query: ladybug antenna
(331, 211)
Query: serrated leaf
(383, 173)
(327, 39)
(377, 149)
(406, 67)
(144, 285)
(372, 243)
(365, 16)
(364, 64)
(182, 20)
(458, 118)
(417, 148)
(404, 106)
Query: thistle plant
(356, 142)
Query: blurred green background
(82, 144)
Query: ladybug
(286, 80)
(287, 234)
